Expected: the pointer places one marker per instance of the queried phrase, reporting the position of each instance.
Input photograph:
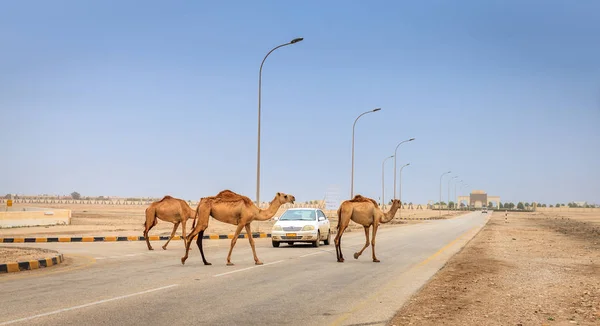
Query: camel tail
(196, 216)
(153, 212)
(339, 214)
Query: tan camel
(365, 212)
(232, 208)
(168, 209)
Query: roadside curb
(31, 264)
(123, 238)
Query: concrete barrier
(32, 216)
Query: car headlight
(277, 228)
(308, 228)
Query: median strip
(124, 238)
(12, 267)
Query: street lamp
(354, 125)
(465, 186)
(294, 41)
(400, 192)
(383, 181)
(440, 202)
(396, 156)
(454, 177)
(456, 202)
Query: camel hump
(227, 193)
(230, 196)
(361, 199)
(165, 198)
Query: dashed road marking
(316, 253)
(87, 305)
(247, 268)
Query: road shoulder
(521, 270)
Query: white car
(301, 225)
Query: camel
(365, 212)
(232, 208)
(168, 209)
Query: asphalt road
(115, 283)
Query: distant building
(479, 198)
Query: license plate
(290, 234)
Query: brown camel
(168, 209)
(232, 208)
(365, 212)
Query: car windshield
(298, 215)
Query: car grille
(292, 228)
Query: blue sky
(131, 98)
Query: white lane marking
(247, 268)
(87, 305)
(140, 254)
(316, 253)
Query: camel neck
(389, 215)
(268, 213)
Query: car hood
(295, 223)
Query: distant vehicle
(301, 225)
(484, 210)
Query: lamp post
(400, 192)
(465, 185)
(454, 177)
(440, 202)
(456, 202)
(354, 125)
(383, 181)
(395, 157)
(294, 41)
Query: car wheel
(318, 242)
(326, 242)
(275, 244)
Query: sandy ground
(19, 254)
(111, 220)
(538, 268)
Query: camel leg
(183, 231)
(249, 232)
(172, 235)
(188, 241)
(338, 242)
(357, 254)
(373, 243)
(199, 243)
(147, 228)
(233, 241)
(200, 227)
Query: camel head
(389, 215)
(284, 198)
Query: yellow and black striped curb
(31, 264)
(126, 238)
